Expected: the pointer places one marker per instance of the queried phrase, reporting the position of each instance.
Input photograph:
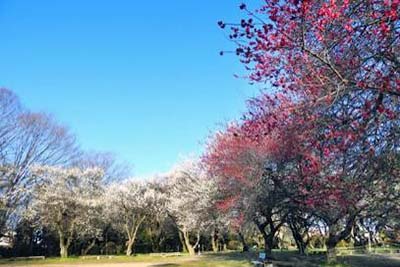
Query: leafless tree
(26, 138)
(114, 170)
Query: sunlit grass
(228, 259)
(167, 260)
(93, 259)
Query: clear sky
(142, 79)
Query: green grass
(215, 264)
(229, 259)
(335, 265)
(207, 260)
(91, 259)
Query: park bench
(97, 257)
(169, 254)
(173, 254)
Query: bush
(234, 245)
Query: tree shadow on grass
(251, 256)
(392, 260)
(296, 258)
(372, 260)
(229, 256)
(281, 256)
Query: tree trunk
(298, 238)
(89, 247)
(156, 237)
(243, 240)
(189, 246)
(268, 244)
(132, 232)
(301, 246)
(335, 236)
(331, 242)
(214, 241)
(64, 245)
(182, 239)
(331, 254)
(129, 247)
(214, 244)
(63, 249)
(268, 239)
(222, 243)
(268, 235)
(190, 249)
(197, 244)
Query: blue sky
(142, 79)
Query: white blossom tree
(191, 195)
(64, 199)
(128, 205)
(93, 224)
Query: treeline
(59, 200)
(72, 210)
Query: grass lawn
(91, 259)
(231, 259)
(141, 260)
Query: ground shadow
(382, 260)
(391, 260)
(230, 256)
(165, 265)
(278, 255)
